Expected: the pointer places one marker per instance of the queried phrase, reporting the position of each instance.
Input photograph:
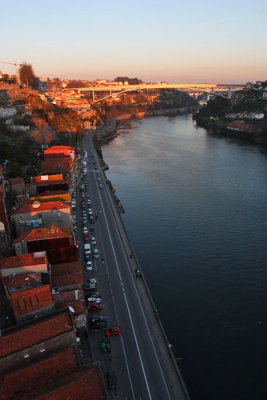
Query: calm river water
(196, 209)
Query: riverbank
(253, 133)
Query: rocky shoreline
(218, 127)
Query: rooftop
(57, 164)
(23, 260)
(85, 384)
(66, 268)
(57, 149)
(19, 281)
(35, 332)
(38, 375)
(52, 232)
(31, 300)
(65, 299)
(47, 179)
(66, 280)
(36, 207)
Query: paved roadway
(133, 355)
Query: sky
(193, 41)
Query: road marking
(117, 230)
(135, 338)
(117, 317)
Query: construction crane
(16, 68)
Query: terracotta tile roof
(46, 178)
(23, 260)
(35, 333)
(82, 385)
(54, 232)
(67, 280)
(65, 299)
(66, 268)
(17, 281)
(16, 181)
(30, 300)
(57, 164)
(58, 148)
(66, 150)
(36, 207)
(65, 197)
(38, 375)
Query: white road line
(115, 223)
(135, 338)
(116, 312)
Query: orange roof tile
(36, 207)
(57, 164)
(53, 232)
(30, 300)
(64, 299)
(35, 332)
(23, 260)
(38, 375)
(84, 384)
(66, 280)
(17, 281)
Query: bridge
(209, 88)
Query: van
(87, 246)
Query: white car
(89, 266)
(93, 240)
(85, 230)
(94, 300)
(90, 211)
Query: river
(196, 208)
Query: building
(38, 375)
(63, 283)
(25, 281)
(66, 268)
(59, 152)
(75, 299)
(45, 184)
(64, 197)
(41, 215)
(56, 241)
(3, 213)
(35, 340)
(31, 303)
(24, 264)
(17, 185)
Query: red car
(94, 306)
(85, 236)
(113, 331)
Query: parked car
(85, 230)
(98, 326)
(95, 294)
(87, 255)
(84, 213)
(94, 300)
(113, 331)
(93, 240)
(91, 219)
(85, 236)
(111, 380)
(96, 253)
(89, 266)
(92, 229)
(90, 211)
(94, 307)
(95, 318)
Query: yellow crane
(16, 68)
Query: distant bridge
(191, 88)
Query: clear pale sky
(177, 41)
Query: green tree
(26, 74)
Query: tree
(26, 74)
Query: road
(133, 356)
